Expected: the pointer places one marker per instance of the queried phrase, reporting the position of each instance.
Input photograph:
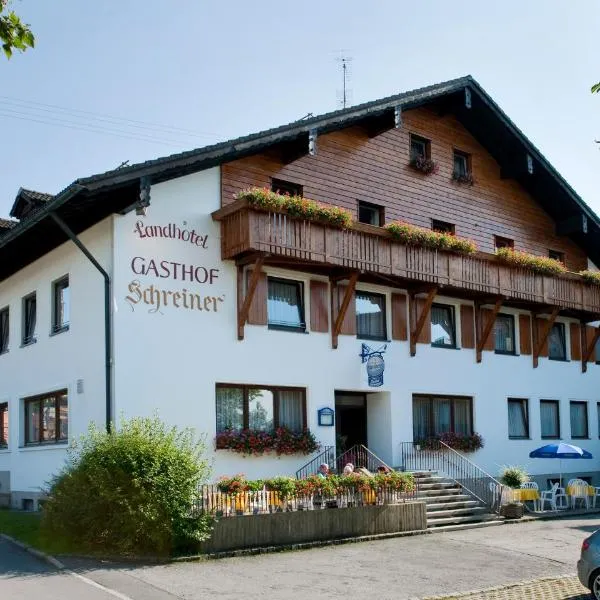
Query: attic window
(419, 147)
(502, 242)
(286, 188)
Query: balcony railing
(371, 249)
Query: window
(61, 305)
(29, 318)
(419, 147)
(462, 165)
(579, 420)
(4, 425)
(557, 349)
(4, 330)
(518, 418)
(435, 415)
(370, 316)
(285, 305)
(286, 187)
(47, 418)
(260, 407)
(556, 255)
(550, 419)
(502, 242)
(504, 334)
(442, 226)
(443, 333)
(371, 214)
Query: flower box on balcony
(524, 260)
(592, 277)
(296, 206)
(419, 236)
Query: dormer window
(462, 167)
(556, 255)
(287, 188)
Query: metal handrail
(442, 458)
(311, 467)
(360, 456)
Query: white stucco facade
(175, 338)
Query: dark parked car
(588, 567)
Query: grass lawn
(23, 526)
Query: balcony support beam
(348, 295)
(417, 322)
(539, 339)
(482, 331)
(587, 349)
(244, 302)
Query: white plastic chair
(578, 490)
(532, 485)
(555, 496)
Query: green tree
(14, 34)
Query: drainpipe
(107, 325)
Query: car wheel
(595, 584)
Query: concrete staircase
(448, 505)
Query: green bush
(129, 492)
(513, 477)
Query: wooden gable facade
(358, 164)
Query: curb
(498, 588)
(34, 552)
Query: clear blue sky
(228, 68)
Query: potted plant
(254, 487)
(235, 486)
(284, 488)
(424, 165)
(513, 477)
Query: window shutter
(319, 313)
(258, 307)
(467, 326)
(590, 332)
(525, 334)
(349, 323)
(541, 325)
(399, 330)
(425, 336)
(575, 341)
(490, 343)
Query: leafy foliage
(524, 260)
(596, 88)
(592, 277)
(14, 34)
(457, 441)
(256, 442)
(284, 486)
(463, 177)
(296, 206)
(513, 476)
(419, 236)
(129, 492)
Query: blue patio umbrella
(560, 451)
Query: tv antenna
(344, 97)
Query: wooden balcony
(373, 253)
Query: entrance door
(350, 420)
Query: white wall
(170, 360)
(57, 361)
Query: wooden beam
(587, 349)
(418, 322)
(348, 294)
(244, 306)
(391, 118)
(540, 340)
(483, 332)
(576, 224)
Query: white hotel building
(105, 311)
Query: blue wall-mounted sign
(375, 364)
(326, 417)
